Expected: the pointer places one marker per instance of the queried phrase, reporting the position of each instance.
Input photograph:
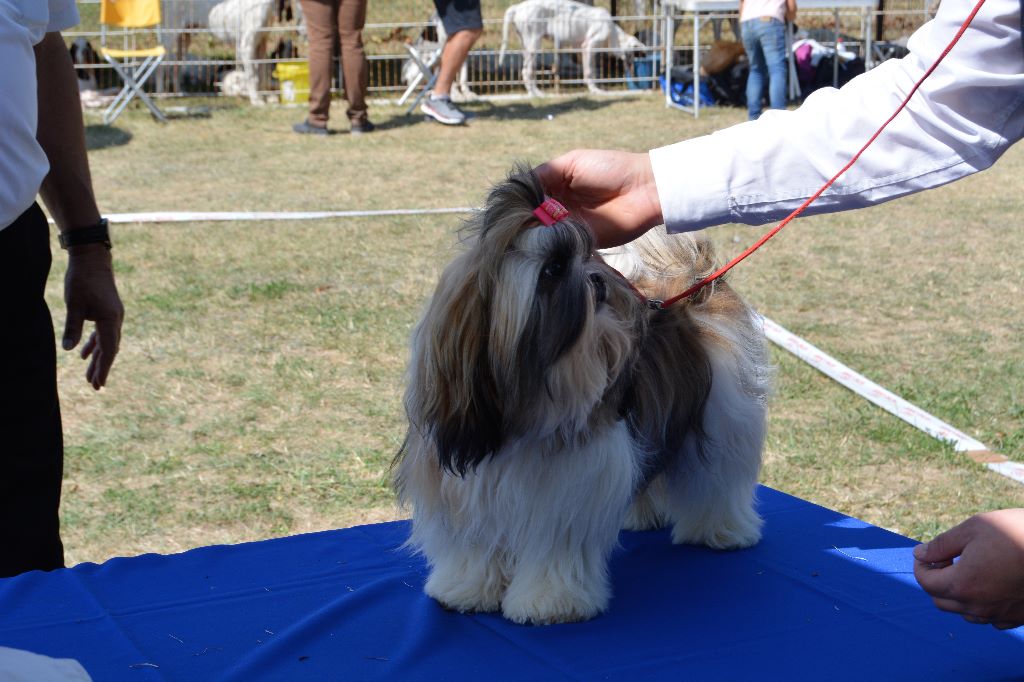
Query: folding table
(698, 11)
(822, 597)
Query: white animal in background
(236, 22)
(178, 19)
(241, 23)
(549, 406)
(570, 24)
(234, 83)
(639, 6)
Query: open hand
(91, 294)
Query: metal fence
(214, 45)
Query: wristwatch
(97, 234)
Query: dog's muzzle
(600, 288)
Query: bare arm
(67, 189)
(89, 289)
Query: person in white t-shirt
(961, 120)
(763, 29)
(42, 151)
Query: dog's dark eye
(553, 269)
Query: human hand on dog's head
(613, 192)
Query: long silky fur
(548, 406)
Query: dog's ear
(453, 398)
(465, 378)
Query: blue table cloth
(822, 597)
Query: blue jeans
(765, 43)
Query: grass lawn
(258, 388)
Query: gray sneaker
(307, 128)
(442, 110)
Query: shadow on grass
(104, 136)
(540, 110)
(528, 110)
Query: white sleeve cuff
(692, 179)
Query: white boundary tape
(219, 216)
(890, 402)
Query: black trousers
(31, 445)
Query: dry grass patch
(258, 390)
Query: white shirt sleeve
(23, 164)
(40, 17)
(17, 665)
(63, 15)
(965, 115)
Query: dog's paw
(737, 532)
(548, 600)
(643, 515)
(550, 609)
(465, 593)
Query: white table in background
(698, 9)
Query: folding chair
(425, 64)
(134, 64)
(425, 53)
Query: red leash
(771, 233)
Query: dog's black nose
(600, 289)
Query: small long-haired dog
(549, 406)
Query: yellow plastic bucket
(294, 81)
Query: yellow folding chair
(129, 20)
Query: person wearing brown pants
(325, 21)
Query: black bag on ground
(730, 86)
(682, 75)
(824, 72)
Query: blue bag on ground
(682, 91)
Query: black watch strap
(97, 234)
